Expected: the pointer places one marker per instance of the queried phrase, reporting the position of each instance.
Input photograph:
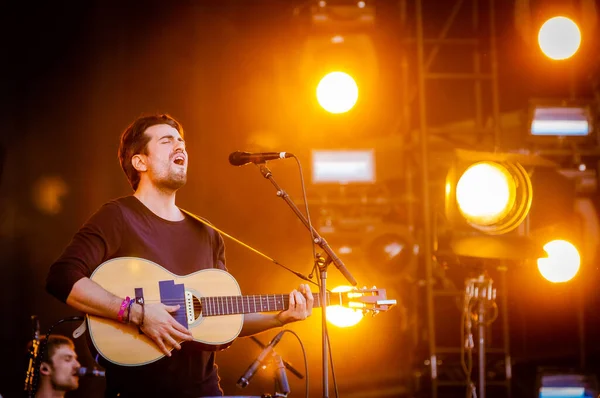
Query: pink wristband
(124, 305)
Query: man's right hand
(160, 326)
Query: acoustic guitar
(211, 306)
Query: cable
(495, 316)
(335, 386)
(305, 358)
(328, 342)
(467, 364)
(316, 260)
(310, 227)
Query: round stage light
(559, 38)
(493, 197)
(337, 92)
(343, 317)
(485, 193)
(562, 263)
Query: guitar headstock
(372, 300)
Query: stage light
(343, 317)
(566, 384)
(553, 121)
(485, 193)
(337, 92)
(559, 38)
(492, 196)
(562, 263)
(343, 166)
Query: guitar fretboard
(229, 305)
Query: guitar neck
(229, 305)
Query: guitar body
(123, 345)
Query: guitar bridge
(189, 307)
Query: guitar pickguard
(172, 294)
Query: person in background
(58, 372)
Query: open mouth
(179, 160)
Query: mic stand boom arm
(322, 264)
(319, 240)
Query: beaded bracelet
(124, 305)
(129, 311)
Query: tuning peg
(374, 312)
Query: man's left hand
(301, 304)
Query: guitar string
(225, 303)
(259, 299)
(227, 300)
(232, 298)
(222, 308)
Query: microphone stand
(288, 365)
(32, 358)
(322, 263)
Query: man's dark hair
(54, 342)
(134, 141)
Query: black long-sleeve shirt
(127, 228)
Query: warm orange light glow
(341, 316)
(562, 263)
(485, 193)
(559, 38)
(48, 194)
(337, 92)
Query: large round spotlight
(337, 92)
(562, 263)
(343, 317)
(559, 38)
(493, 197)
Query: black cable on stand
(322, 264)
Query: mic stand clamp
(322, 264)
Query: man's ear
(139, 162)
(45, 369)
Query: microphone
(282, 381)
(239, 158)
(249, 374)
(81, 372)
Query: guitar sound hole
(197, 307)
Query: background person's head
(59, 365)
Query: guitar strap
(203, 221)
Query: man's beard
(173, 181)
(67, 385)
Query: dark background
(75, 75)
